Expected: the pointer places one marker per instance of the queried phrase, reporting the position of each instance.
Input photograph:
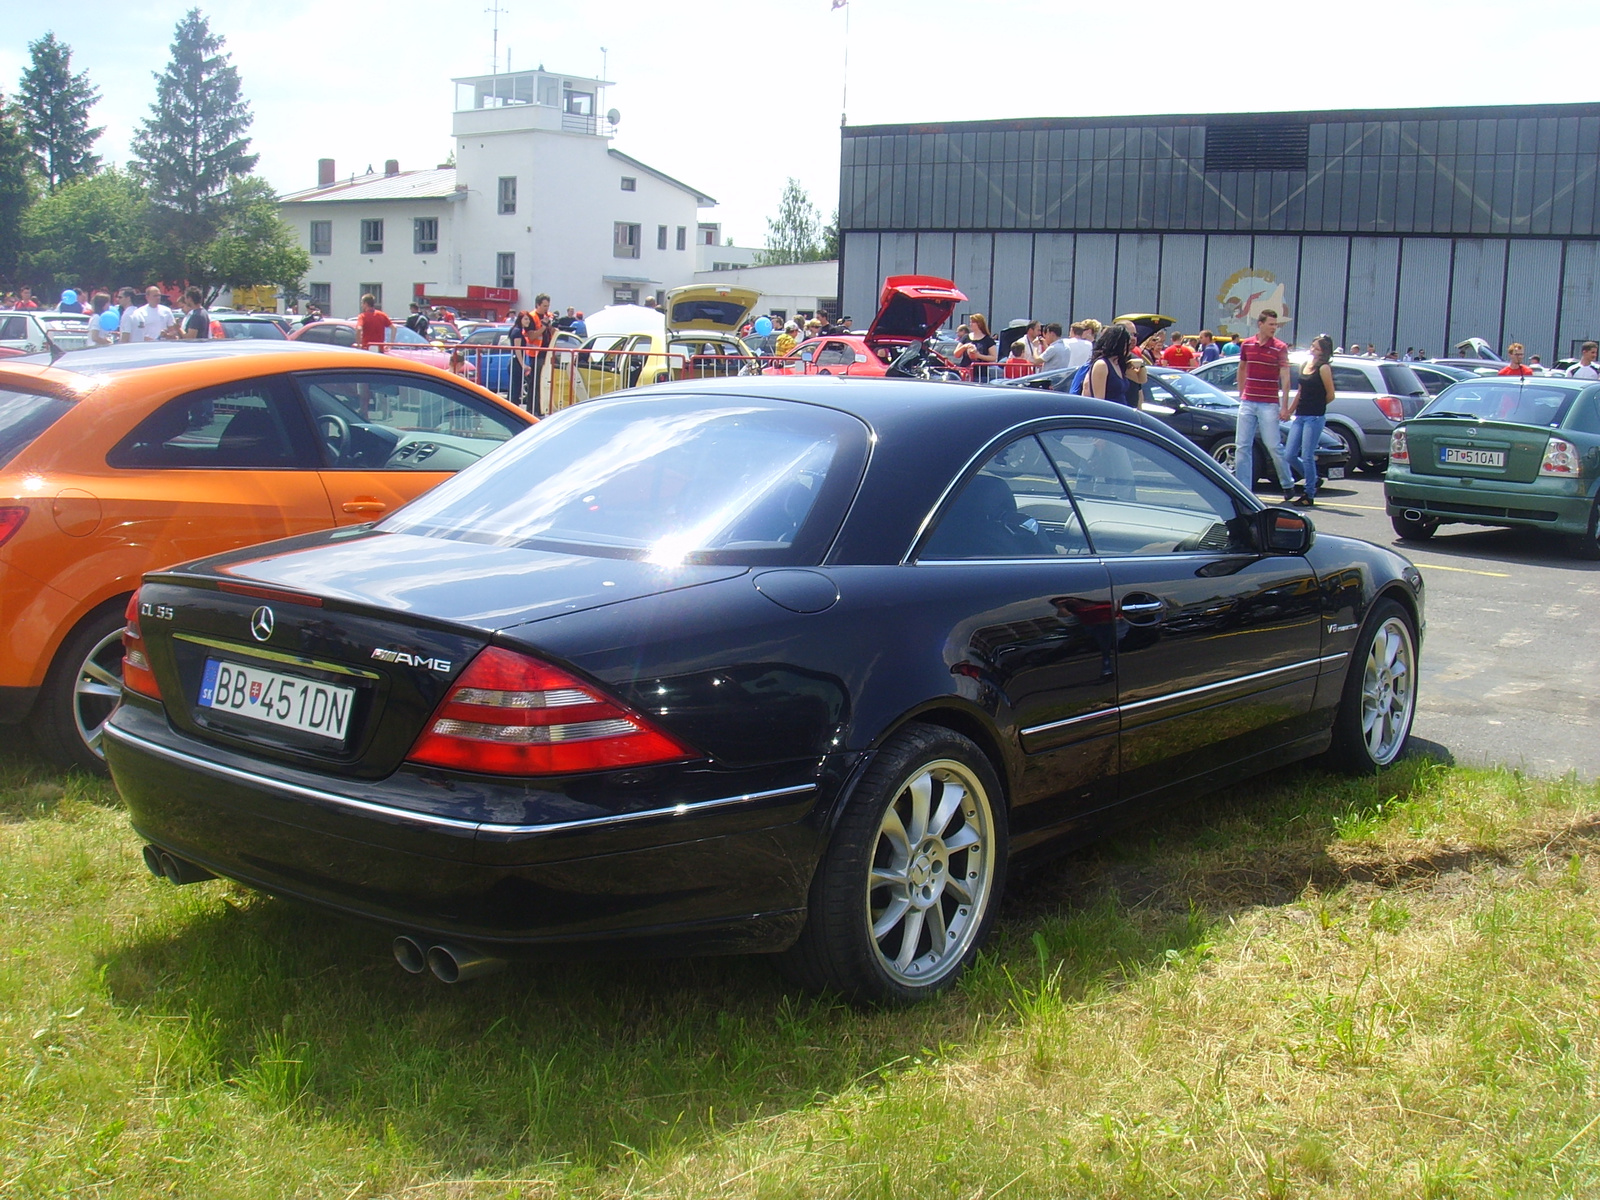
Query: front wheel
(1225, 452)
(1379, 700)
(83, 686)
(908, 887)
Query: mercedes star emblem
(261, 623)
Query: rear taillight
(1391, 406)
(11, 520)
(509, 714)
(1399, 452)
(1560, 459)
(136, 673)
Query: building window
(624, 295)
(425, 235)
(373, 289)
(683, 237)
(661, 298)
(630, 184)
(505, 270)
(661, 237)
(508, 193)
(321, 238)
(708, 234)
(372, 237)
(625, 240)
(320, 294)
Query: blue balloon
(69, 297)
(763, 326)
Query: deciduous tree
(90, 232)
(792, 236)
(54, 108)
(254, 245)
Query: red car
(911, 310)
(400, 341)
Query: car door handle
(1141, 608)
(364, 504)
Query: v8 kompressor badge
(441, 665)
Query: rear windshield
(666, 480)
(1401, 380)
(23, 417)
(1503, 400)
(1197, 391)
(265, 330)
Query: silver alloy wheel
(1225, 453)
(1388, 690)
(932, 873)
(97, 689)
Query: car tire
(1379, 701)
(896, 913)
(82, 687)
(1587, 545)
(1352, 448)
(1224, 452)
(1413, 531)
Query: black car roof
(131, 356)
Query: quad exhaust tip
(177, 871)
(449, 964)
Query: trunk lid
(1463, 449)
(352, 672)
(913, 306)
(707, 307)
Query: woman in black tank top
(1310, 415)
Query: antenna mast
(494, 63)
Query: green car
(1501, 450)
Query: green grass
(1307, 987)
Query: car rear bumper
(726, 874)
(1556, 504)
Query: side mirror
(1284, 531)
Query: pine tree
(194, 143)
(16, 190)
(54, 106)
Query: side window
(1224, 375)
(1350, 379)
(1014, 507)
(393, 421)
(837, 354)
(255, 424)
(808, 352)
(13, 329)
(1139, 498)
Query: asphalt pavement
(1509, 670)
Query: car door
(493, 365)
(385, 437)
(1008, 552)
(835, 358)
(1218, 644)
(208, 470)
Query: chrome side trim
(408, 816)
(1118, 709)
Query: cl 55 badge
(441, 665)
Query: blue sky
(735, 97)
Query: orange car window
(254, 424)
(384, 410)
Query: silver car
(1371, 397)
(26, 331)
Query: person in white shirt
(1055, 355)
(1080, 345)
(153, 319)
(127, 321)
(1585, 367)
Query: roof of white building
(701, 199)
(437, 184)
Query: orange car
(125, 459)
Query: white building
(537, 201)
(790, 290)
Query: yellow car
(696, 336)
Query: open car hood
(914, 306)
(709, 307)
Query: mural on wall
(1244, 294)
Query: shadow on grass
(31, 787)
(586, 1063)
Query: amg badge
(441, 665)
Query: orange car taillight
(511, 714)
(1391, 406)
(1561, 459)
(11, 520)
(1399, 452)
(136, 673)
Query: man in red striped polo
(1263, 402)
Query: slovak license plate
(1456, 457)
(287, 701)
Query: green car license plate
(1454, 456)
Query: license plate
(1335, 472)
(1452, 456)
(287, 701)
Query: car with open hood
(695, 336)
(911, 310)
(750, 665)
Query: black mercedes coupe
(750, 665)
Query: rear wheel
(1418, 530)
(1587, 544)
(83, 686)
(908, 888)
(1352, 447)
(1379, 700)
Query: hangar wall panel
(861, 276)
(1369, 303)
(1324, 275)
(1533, 271)
(1013, 277)
(1138, 273)
(936, 254)
(1580, 298)
(1094, 286)
(1477, 290)
(1052, 278)
(1424, 285)
(1182, 292)
(974, 269)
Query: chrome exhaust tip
(408, 952)
(1412, 514)
(152, 860)
(176, 871)
(455, 964)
